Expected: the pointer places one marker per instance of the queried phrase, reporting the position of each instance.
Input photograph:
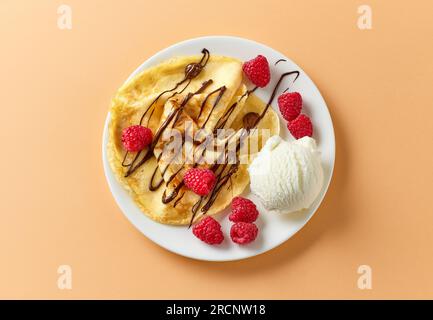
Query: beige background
(55, 204)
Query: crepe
(214, 98)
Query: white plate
(274, 229)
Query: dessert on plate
(187, 136)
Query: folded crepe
(216, 98)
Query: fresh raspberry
(201, 181)
(209, 231)
(257, 70)
(290, 105)
(243, 232)
(243, 210)
(136, 138)
(301, 127)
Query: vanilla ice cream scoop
(287, 176)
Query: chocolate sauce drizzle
(124, 159)
(166, 199)
(178, 200)
(280, 60)
(175, 113)
(192, 70)
(274, 92)
(221, 91)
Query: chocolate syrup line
(174, 175)
(274, 92)
(170, 179)
(206, 55)
(192, 70)
(217, 100)
(288, 87)
(124, 159)
(203, 145)
(248, 92)
(284, 60)
(178, 200)
(215, 192)
(219, 125)
(174, 93)
(194, 209)
(152, 187)
(159, 96)
(196, 206)
(160, 182)
(189, 96)
(148, 153)
(181, 91)
(223, 88)
(221, 181)
(280, 60)
(161, 129)
(223, 120)
(221, 91)
(175, 192)
(173, 195)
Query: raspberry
(209, 231)
(257, 70)
(136, 138)
(243, 210)
(243, 232)
(290, 105)
(200, 181)
(301, 127)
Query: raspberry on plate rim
(290, 105)
(243, 210)
(209, 231)
(257, 70)
(243, 232)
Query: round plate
(274, 228)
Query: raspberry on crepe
(257, 70)
(200, 181)
(136, 138)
